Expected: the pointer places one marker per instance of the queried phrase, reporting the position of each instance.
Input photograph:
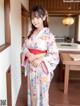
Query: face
(37, 21)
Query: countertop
(62, 46)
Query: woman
(40, 58)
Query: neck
(39, 29)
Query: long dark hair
(38, 11)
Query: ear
(44, 17)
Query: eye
(33, 18)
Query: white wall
(78, 28)
(72, 30)
(59, 29)
(4, 65)
(2, 32)
(16, 46)
(11, 55)
(4, 56)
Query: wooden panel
(3, 47)
(7, 25)
(24, 16)
(7, 21)
(8, 81)
(58, 6)
(76, 68)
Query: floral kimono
(39, 77)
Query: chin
(36, 27)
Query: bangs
(35, 14)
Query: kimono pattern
(39, 77)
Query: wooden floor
(57, 98)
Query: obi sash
(40, 54)
(35, 52)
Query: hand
(36, 62)
(31, 57)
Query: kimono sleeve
(24, 54)
(51, 59)
(24, 47)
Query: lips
(36, 24)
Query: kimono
(39, 77)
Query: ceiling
(58, 7)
